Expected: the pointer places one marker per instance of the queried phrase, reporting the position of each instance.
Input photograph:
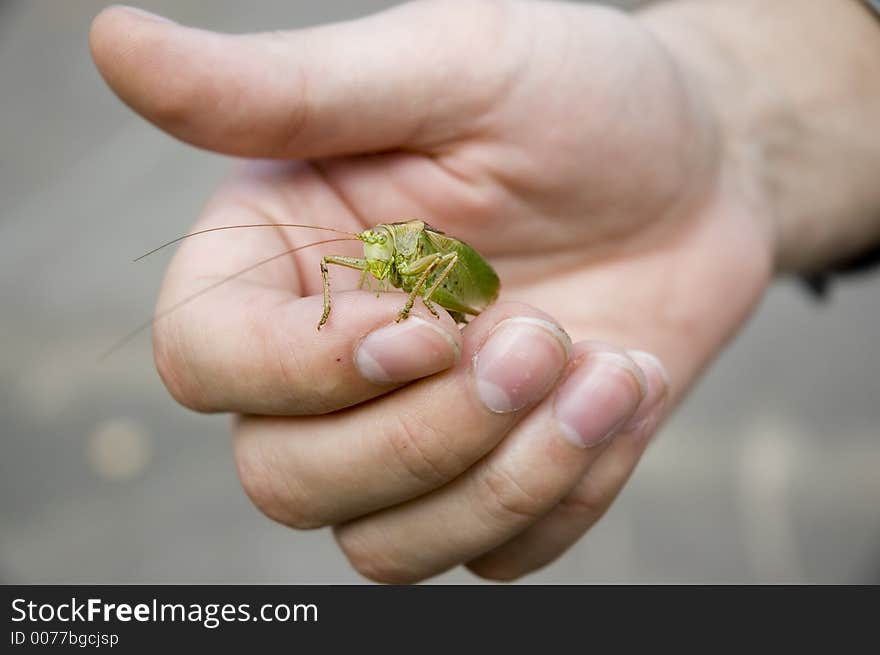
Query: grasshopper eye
(373, 237)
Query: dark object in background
(819, 283)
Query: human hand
(564, 142)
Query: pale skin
(636, 180)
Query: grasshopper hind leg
(430, 307)
(430, 264)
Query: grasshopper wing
(472, 285)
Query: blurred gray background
(769, 472)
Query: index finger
(251, 345)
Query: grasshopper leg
(452, 258)
(348, 262)
(429, 264)
(417, 287)
(430, 306)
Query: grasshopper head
(378, 249)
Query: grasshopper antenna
(238, 227)
(180, 303)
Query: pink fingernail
(519, 363)
(598, 398)
(405, 351)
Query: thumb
(404, 77)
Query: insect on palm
(411, 255)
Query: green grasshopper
(425, 263)
(410, 255)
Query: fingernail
(405, 351)
(598, 398)
(657, 388)
(145, 14)
(519, 362)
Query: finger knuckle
(270, 489)
(505, 500)
(300, 112)
(422, 450)
(586, 501)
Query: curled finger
(536, 465)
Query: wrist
(798, 105)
